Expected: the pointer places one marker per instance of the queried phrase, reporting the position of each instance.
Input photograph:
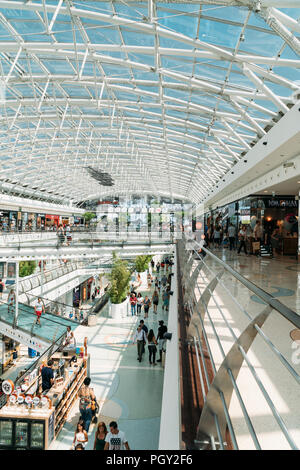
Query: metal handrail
(271, 303)
(285, 311)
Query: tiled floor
(127, 391)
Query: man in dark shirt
(160, 336)
(144, 327)
(47, 376)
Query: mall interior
(149, 225)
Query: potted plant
(141, 265)
(119, 278)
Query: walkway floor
(279, 277)
(127, 391)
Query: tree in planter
(26, 268)
(88, 216)
(142, 262)
(119, 280)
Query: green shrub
(88, 216)
(26, 268)
(142, 262)
(119, 279)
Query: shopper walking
(100, 435)
(161, 341)
(152, 347)
(86, 395)
(155, 301)
(217, 237)
(140, 338)
(115, 439)
(243, 238)
(145, 328)
(147, 305)
(258, 232)
(166, 299)
(140, 303)
(231, 236)
(60, 235)
(133, 302)
(164, 280)
(158, 267)
(80, 436)
(68, 235)
(38, 310)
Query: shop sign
(281, 203)
(244, 212)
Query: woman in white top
(70, 340)
(81, 436)
(140, 303)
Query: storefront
(51, 220)
(10, 352)
(31, 223)
(278, 212)
(31, 420)
(76, 296)
(65, 219)
(40, 221)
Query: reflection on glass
(21, 434)
(37, 433)
(6, 433)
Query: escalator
(27, 332)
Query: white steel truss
(164, 97)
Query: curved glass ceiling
(149, 97)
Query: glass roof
(163, 97)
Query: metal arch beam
(271, 17)
(181, 104)
(116, 20)
(248, 3)
(6, 46)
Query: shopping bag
(256, 246)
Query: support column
(16, 312)
(42, 278)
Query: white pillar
(16, 313)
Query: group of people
(142, 336)
(64, 233)
(115, 439)
(234, 239)
(161, 286)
